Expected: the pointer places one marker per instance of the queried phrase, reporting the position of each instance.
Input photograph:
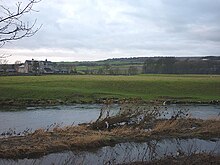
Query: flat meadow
(89, 88)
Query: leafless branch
(3, 56)
(11, 25)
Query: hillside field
(88, 88)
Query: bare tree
(11, 25)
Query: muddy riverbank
(51, 102)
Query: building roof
(48, 70)
(44, 62)
(29, 62)
(21, 66)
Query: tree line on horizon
(151, 65)
(171, 65)
(154, 65)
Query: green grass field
(89, 88)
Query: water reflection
(126, 152)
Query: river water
(125, 153)
(32, 118)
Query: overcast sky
(99, 29)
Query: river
(32, 118)
(125, 153)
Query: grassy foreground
(88, 88)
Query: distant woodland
(172, 65)
(153, 65)
(119, 66)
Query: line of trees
(107, 69)
(171, 65)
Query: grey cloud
(147, 27)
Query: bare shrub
(132, 115)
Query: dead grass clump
(210, 127)
(38, 132)
(59, 145)
(175, 126)
(129, 115)
(190, 127)
(70, 129)
(90, 141)
(166, 125)
(128, 132)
